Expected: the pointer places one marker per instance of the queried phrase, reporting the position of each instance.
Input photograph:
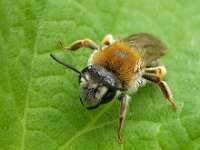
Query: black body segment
(97, 79)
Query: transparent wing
(149, 46)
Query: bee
(119, 68)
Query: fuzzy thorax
(120, 59)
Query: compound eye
(108, 96)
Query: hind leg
(155, 75)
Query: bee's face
(96, 86)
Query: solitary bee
(119, 68)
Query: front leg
(80, 43)
(124, 99)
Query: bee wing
(149, 46)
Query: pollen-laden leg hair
(80, 43)
(108, 40)
(124, 100)
(155, 75)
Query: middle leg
(108, 40)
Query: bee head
(97, 86)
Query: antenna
(63, 63)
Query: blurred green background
(39, 99)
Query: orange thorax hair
(118, 58)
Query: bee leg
(122, 112)
(155, 75)
(167, 92)
(158, 71)
(108, 40)
(80, 43)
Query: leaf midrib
(23, 139)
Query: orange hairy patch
(118, 58)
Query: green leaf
(39, 99)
